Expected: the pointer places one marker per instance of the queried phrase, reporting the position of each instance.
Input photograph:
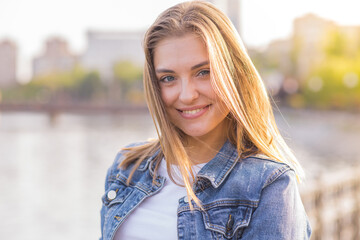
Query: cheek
(168, 96)
(208, 91)
(217, 100)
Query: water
(52, 170)
(323, 141)
(52, 174)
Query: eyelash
(201, 73)
(163, 79)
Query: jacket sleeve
(280, 214)
(102, 211)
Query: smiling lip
(193, 112)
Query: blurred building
(56, 58)
(232, 9)
(105, 49)
(296, 56)
(279, 54)
(308, 40)
(352, 35)
(8, 54)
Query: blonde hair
(252, 127)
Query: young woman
(219, 168)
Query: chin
(195, 132)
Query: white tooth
(193, 111)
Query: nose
(188, 92)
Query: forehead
(188, 48)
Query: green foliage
(338, 77)
(128, 80)
(77, 84)
(89, 86)
(336, 45)
(80, 85)
(127, 72)
(57, 80)
(29, 92)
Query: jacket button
(186, 199)
(111, 195)
(230, 223)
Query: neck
(203, 149)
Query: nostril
(189, 94)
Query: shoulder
(278, 202)
(120, 156)
(267, 170)
(255, 173)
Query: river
(52, 170)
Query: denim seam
(223, 229)
(228, 171)
(217, 182)
(139, 185)
(222, 203)
(276, 174)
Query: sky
(30, 22)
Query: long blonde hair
(252, 127)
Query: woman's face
(183, 71)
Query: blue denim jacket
(252, 198)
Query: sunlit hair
(252, 128)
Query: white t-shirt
(156, 216)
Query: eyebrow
(164, 70)
(200, 65)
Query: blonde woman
(219, 168)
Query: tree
(334, 83)
(77, 84)
(128, 77)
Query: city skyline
(29, 25)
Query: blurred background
(71, 96)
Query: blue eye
(167, 79)
(203, 73)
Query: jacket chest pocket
(227, 221)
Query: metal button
(186, 199)
(230, 223)
(111, 195)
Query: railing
(332, 203)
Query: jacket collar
(221, 165)
(149, 163)
(215, 171)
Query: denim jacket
(252, 198)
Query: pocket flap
(227, 219)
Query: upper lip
(193, 107)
